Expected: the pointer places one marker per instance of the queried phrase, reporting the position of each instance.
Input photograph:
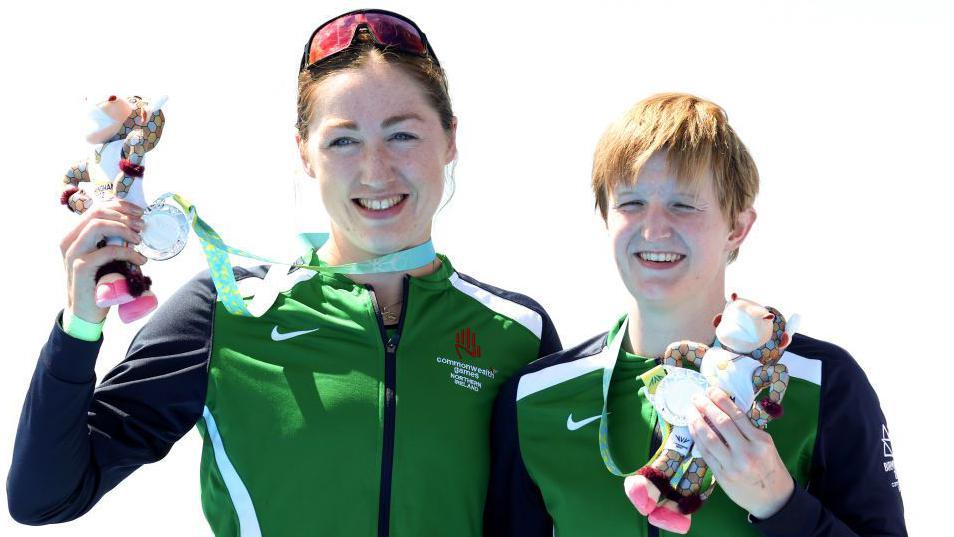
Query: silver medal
(673, 397)
(165, 232)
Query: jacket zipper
(390, 382)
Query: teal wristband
(81, 329)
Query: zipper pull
(392, 343)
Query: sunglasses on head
(388, 29)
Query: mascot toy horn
(750, 341)
(123, 131)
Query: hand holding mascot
(751, 340)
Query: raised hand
(82, 256)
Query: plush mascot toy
(744, 362)
(123, 130)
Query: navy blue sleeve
(852, 489)
(549, 339)
(514, 503)
(74, 443)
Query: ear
(451, 142)
(741, 227)
(784, 341)
(303, 154)
(716, 320)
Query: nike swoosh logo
(574, 425)
(277, 336)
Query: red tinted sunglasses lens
(394, 32)
(390, 31)
(333, 37)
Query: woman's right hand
(82, 258)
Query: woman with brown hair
(355, 404)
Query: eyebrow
(389, 122)
(689, 194)
(623, 189)
(394, 120)
(344, 124)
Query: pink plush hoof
(138, 308)
(113, 293)
(670, 520)
(636, 487)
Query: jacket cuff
(797, 517)
(68, 358)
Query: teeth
(380, 204)
(660, 257)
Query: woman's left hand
(742, 457)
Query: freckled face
(378, 150)
(671, 244)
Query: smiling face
(378, 150)
(672, 242)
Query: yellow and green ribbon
(220, 267)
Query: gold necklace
(389, 315)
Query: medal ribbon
(650, 379)
(220, 267)
(609, 364)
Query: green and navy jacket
(548, 476)
(316, 419)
